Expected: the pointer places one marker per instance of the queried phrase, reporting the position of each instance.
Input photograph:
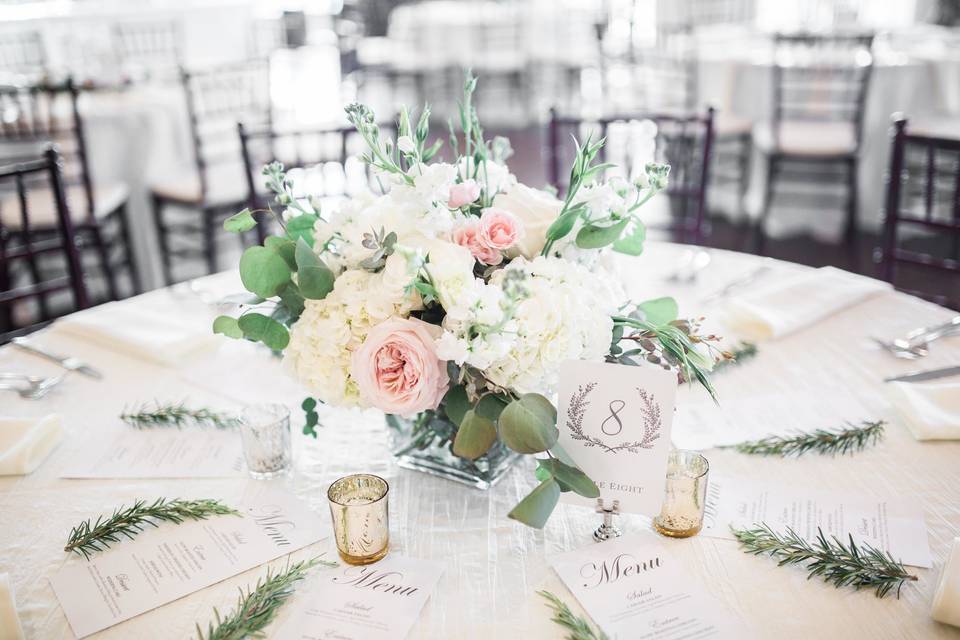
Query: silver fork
(915, 344)
(29, 387)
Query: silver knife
(68, 363)
(919, 376)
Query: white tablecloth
(492, 565)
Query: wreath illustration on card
(650, 411)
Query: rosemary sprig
(848, 439)
(837, 563)
(86, 538)
(176, 415)
(256, 609)
(579, 628)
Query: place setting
(377, 322)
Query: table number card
(633, 588)
(164, 564)
(614, 422)
(380, 601)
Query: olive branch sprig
(579, 628)
(838, 563)
(257, 608)
(89, 537)
(848, 439)
(160, 414)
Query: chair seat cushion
(42, 207)
(935, 126)
(226, 184)
(728, 124)
(807, 138)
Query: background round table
(492, 565)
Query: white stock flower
(405, 144)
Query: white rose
(536, 209)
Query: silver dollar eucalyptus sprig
(126, 522)
(579, 628)
(840, 564)
(847, 439)
(257, 608)
(178, 415)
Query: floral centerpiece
(449, 299)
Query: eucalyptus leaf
(529, 424)
(456, 404)
(285, 248)
(631, 243)
(292, 299)
(491, 406)
(261, 328)
(227, 326)
(263, 271)
(571, 477)
(563, 224)
(240, 222)
(535, 509)
(475, 436)
(313, 276)
(659, 311)
(594, 237)
(301, 228)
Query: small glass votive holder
(265, 432)
(681, 515)
(361, 527)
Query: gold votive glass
(681, 515)
(361, 527)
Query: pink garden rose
(500, 229)
(468, 235)
(397, 369)
(463, 193)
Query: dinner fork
(915, 344)
(29, 387)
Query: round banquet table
(492, 565)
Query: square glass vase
(425, 443)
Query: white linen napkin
(26, 442)
(930, 409)
(10, 628)
(780, 307)
(146, 331)
(946, 601)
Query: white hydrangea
(329, 330)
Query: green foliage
(227, 326)
(382, 244)
(456, 404)
(593, 236)
(475, 436)
(292, 300)
(260, 328)
(529, 424)
(283, 247)
(848, 439)
(301, 228)
(177, 415)
(535, 509)
(380, 152)
(659, 311)
(240, 222)
(579, 629)
(313, 275)
(492, 405)
(263, 271)
(840, 564)
(631, 243)
(86, 538)
(569, 477)
(312, 418)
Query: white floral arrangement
(456, 292)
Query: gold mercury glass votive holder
(361, 527)
(686, 492)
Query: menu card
(891, 524)
(633, 588)
(194, 453)
(376, 602)
(163, 564)
(614, 422)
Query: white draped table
(492, 565)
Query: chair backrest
(632, 140)
(821, 78)
(35, 264)
(41, 114)
(218, 98)
(146, 46)
(22, 53)
(923, 196)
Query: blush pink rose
(500, 229)
(397, 369)
(468, 235)
(463, 193)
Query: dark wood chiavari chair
(36, 267)
(149, 47)
(37, 115)
(820, 84)
(683, 141)
(217, 99)
(323, 162)
(923, 197)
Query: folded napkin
(931, 409)
(779, 307)
(26, 442)
(9, 622)
(155, 332)
(946, 601)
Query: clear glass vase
(425, 444)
